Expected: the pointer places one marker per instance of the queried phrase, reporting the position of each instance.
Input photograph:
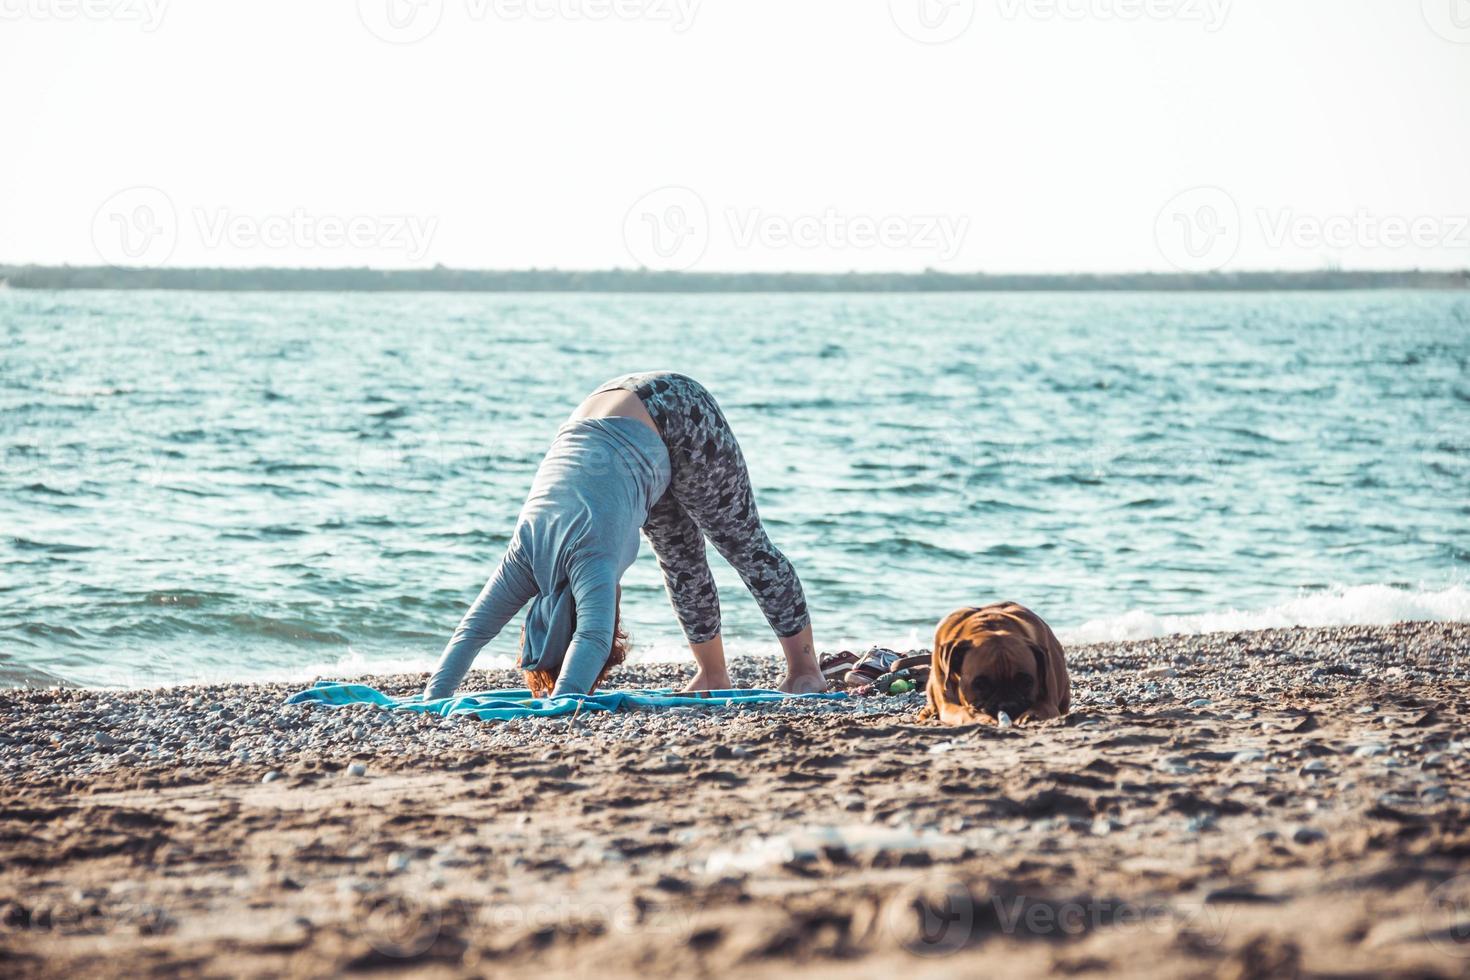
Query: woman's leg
(713, 487)
(777, 590)
(710, 492)
(679, 546)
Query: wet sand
(1262, 804)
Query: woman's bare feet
(804, 683)
(803, 671)
(708, 682)
(712, 675)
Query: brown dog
(993, 659)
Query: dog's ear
(1041, 676)
(1042, 698)
(954, 658)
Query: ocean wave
(1362, 605)
(13, 675)
(1359, 605)
(287, 629)
(54, 547)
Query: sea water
(221, 486)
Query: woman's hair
(541, 682)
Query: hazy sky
(1004, 135)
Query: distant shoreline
(441, 279)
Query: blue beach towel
(520, 703)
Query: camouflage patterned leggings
(709, 495)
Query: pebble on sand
(1307, 835)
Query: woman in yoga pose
(649, 450)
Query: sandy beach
(1274, 803)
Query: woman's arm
(510, 587)
(595, 594)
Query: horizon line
(442, 278)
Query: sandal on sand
(873, 665)
(836, 665)
(914, 661)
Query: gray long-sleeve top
(577, 534)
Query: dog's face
(995, 673)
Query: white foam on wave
(1358, 605)
(350, 665)
(354, 664)
(677, 651)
